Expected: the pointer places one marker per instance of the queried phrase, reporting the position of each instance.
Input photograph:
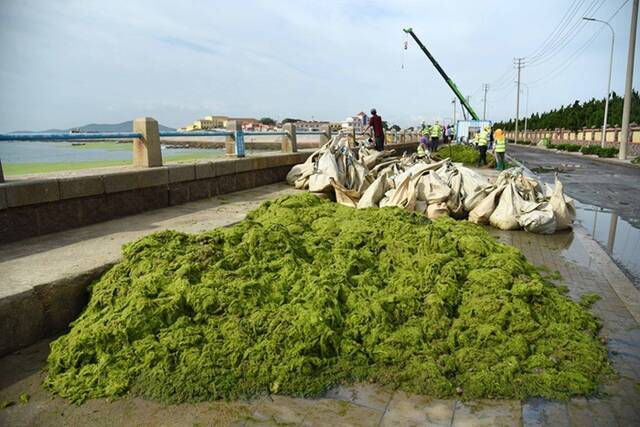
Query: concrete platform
(367, 404)
(43, 279)
(583, 265)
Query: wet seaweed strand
(304, 294)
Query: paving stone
(331, 413)
(488, 413)
(602, 411)
(279, 410)
(181, 172)
(625, 411)
(541, 412)
(20, 193)
(80, 186)
(579, 413)
(369, 395)
(405, 409)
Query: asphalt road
(589, 181)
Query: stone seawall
(40, 301)
(37, 206)
(57, 202)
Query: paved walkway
(45, 259)
(582, 264)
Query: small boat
(77, 144)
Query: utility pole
(628, 93)
(485, 87)
(526, 110)
(519, 63)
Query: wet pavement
(607, 196)
(582, 264)
(584, 267)
(590, 181)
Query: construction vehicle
(444, 75)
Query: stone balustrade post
(289, 139)
(234, 143)
(230, 139)
(146, 150)
(1, 173)
(325, 136)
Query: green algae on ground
(305, 294)
(588, 299)
(6, 403)
(465, 154)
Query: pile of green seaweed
(305, 293)
(465, 154)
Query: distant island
(96, 127)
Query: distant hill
(97, 127)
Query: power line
(571, 35)
(504, 81)
(565, 32)
(566, 18)
(577, 53)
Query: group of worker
(432, 135)
(484, 139)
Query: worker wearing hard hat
(482, 140)
(436, 133)
(499, 148)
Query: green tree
(268, 121)
(395, 127)
(587, 114)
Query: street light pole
(526, 110)
(606, 100)
(628, 87)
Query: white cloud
(71, 62)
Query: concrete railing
(146, 138)
(59, 201)
(585, 135)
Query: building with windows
(357, 122)
(219, 122)
(309, 125)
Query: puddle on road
(620, 239)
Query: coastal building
(309, 125)
(219, 122)
(357, 122)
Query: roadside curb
(582, 156)
(622, 286)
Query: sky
(68, 63)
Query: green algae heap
(465, 154)
(305, 294)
